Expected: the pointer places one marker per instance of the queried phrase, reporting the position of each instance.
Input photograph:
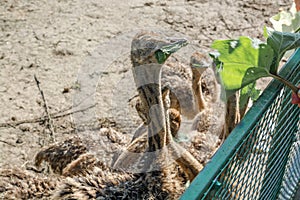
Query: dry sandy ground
(53, 39)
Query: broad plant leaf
(286, 21)
(242, 61)
(280, 43)
(294, 26)
(248, 92)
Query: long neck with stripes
(148, 82)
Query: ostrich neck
(148, 82)
(197, 87)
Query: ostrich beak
(166, 50)
(174, 46)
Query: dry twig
(43, 118)
(49, 119)
(8, 143)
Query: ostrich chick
(208, 125)
(17, 184)
(149, 51)
(207, 91)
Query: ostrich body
(17, 184)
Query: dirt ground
(53, 40)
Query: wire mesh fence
(260, 159)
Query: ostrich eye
(160, 56)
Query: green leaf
(161, 57)
(280, 43)
(286, 21)
(252, 74)
(243, 61)
(294, 26)
(165, 51)
(248, 92)
(282, 19)
(265, 33)
(295, 23)
(215, 56)
(265, 57)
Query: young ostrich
(17, 184)
(66, 159)
(149, 52)
(207, 93)
(208, 124)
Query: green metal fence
(257, 160)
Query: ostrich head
(151, 47)
(149, 51)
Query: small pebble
(66, 90)
(19, 141)
(3, 89)
(24, 128)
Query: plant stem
(297, 30)
(286, 82)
